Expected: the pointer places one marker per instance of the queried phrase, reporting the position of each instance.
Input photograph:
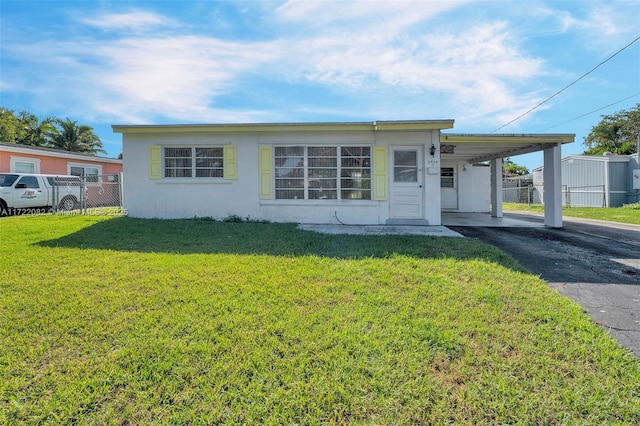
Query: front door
(406, 185)
(449, 187)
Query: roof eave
(405, 125)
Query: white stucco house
(384, 172)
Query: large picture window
(322, 172)
(200, 162)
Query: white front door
(449, 187)
(406, 183)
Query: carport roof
(476, 148)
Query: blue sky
(482, 63)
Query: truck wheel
(4, 211)
(68, 203)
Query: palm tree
(68, 135)
(36, 132)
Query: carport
(477, 148)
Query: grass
(127, 321)
(629, 213)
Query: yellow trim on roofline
(402, 125)
(501, 137)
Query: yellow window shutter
(230, 162)
(266, 172)
(379, 173)
(155, 162)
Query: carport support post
(552, 176)
(496, 187)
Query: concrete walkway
(448, 219)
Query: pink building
(16, 158)
(102, 175)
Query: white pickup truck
(31, 193)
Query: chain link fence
(88, 195)
(572, 196)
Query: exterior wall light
(432, 151)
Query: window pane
(177, 162)
(405, 174)
(355, 173)
(76, 171)
(91, 174)
(24, 167)
(289, 151)
(289, 194)
(322, 151)
(323, 162)
(447, 177)
(209, 162)
(405, 158)
(322, 194)
(30, 181)
(405, 166)
(355, 194)
(217, 173)
(289, 172)
(289, 183)
(209, 152)
(323, 173)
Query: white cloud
(133, 21)
(363, 49)
(384, 15)
(601, 27)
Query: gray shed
(597, 181)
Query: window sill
(192, 181)
(350, 202)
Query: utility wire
(568, 85)
(589, 113)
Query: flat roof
(55, 152)
(397, 125)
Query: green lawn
(127, 321)
(629, 213)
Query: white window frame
(194, 167)
(13, 160)
(85, 166)
(306, 178)
(448, 180)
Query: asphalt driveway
(595, 263)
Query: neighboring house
(597, 181)
(384, 172)
(16, 158)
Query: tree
(617, 134)
(36, 132)
(11, 130)
(68, 135)
(510, 169)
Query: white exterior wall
(474, 189)
(472, 186)
(219, 198)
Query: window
(322, 173)
(29, 182)
(24, 165)
(207, 162)
(405, 166)
(91, 173)
(447, 177)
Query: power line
(567, 86)
(589, 113)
